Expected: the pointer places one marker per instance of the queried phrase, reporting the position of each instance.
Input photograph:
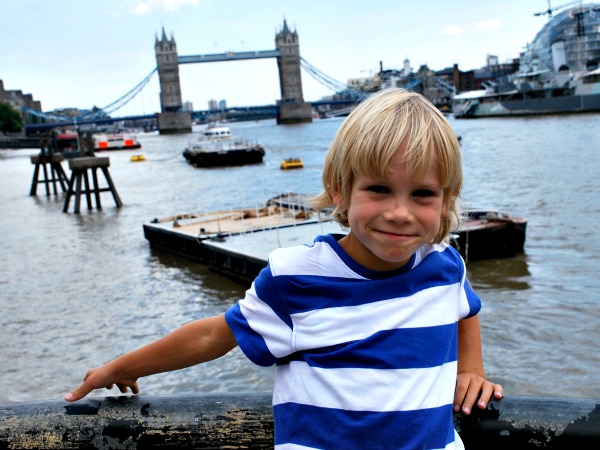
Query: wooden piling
(246, 422)
(79, 174)
(52, 170)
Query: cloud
(141, 8)
(452, 30)
(485, 25)
(145, 7)
(488, 25)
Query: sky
(85, 53)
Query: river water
(77, 290)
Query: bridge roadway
(228, 56)
(235, 113)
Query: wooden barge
(486, 234)
(237, 243)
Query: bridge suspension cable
(122, 101)
(41, 115)
(328, 81)
(95, 113)
(337, 86)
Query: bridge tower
(292, 107)
(172, 119)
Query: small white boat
(216, 132)
(115, 141)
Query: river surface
(77, 290)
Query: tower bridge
(292, 107)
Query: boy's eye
(378, 189)
(423, 193)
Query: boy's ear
(335, 196)
(444, 211)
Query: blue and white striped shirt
(364, 359)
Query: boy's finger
(498, 391)
(78, 393)
(469, 400)
(487, 391)
(124, 388)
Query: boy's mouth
(395, 235)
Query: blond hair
(371, 135)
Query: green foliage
(10, 120)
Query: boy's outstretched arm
(196, 342)
(470, 382)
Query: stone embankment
(19, 142)
(246, 421)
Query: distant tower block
(172, 119)
(292, 107)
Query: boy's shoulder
(441, 257)
(318, 258)
(443, 251)
(428, 249)
(325, 257)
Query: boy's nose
(398, 210)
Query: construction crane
(577, 14)
(558, 8)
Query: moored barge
(237, 243)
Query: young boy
(374, 334)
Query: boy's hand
(99, 378)
(469, 386)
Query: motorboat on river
(218, 147)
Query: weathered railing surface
(246, 422)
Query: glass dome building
(569, 41)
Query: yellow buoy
(292, 163)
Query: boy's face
(391, 217)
